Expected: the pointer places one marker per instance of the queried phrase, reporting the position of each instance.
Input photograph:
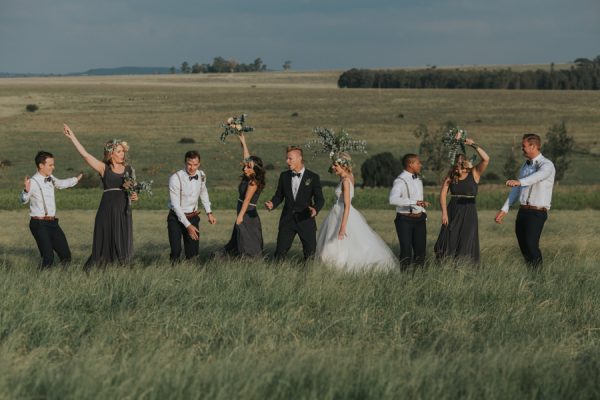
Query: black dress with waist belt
(113, 228)
(246, 238)
(460, 238)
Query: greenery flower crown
(112, 145)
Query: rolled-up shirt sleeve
(24, 196)
(64, 183)
(398, 195)
(175, 199)
(546, 169)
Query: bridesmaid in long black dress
(459, 235)
(246, 238)
(113, 228)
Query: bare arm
(252, 187)
(245, 151)
(443, 197)
(347, 204)
(93, 162)
(483, 164)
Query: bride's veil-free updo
(344, 160)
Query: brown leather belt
(411, 215)
(47, 218)
(528, 207)
(192, 214)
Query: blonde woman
(113, 227)
(345, 240)
(459, 235)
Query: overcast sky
(61, 36)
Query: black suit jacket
(310, 194)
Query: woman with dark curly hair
(246, 238)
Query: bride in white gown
(345, 240)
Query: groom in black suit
(301, 190)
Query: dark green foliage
(585, 76)
(380, 170)
(558, 148)
(185, 67)
(511, 165)
(31, 107)
(186, 140)
(433, 153)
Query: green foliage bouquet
(331, 143)
(235, 126)
(454, 142)
(131, 185)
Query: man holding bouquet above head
(183, 221)
(39, 193)
(300, 190)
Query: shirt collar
(301, 172)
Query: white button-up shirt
(406, 192)
(537, 181)
(184, 193)
(296, 181)
(41, 194)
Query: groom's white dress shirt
(41, 194)
(184, 193)
(537, 181)
(296, 181)
(405, 193)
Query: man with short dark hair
(534, 191)
(183, 221)
(39, 193)
(303, 196)
(407, 196)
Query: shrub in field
(5, 163)
(380, 170)
(31, 107)
(186, 140)
(558, 148)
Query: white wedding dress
(361, 250)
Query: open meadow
(259, 329)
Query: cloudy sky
(61, 36)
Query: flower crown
(344, 162)
(112, 145)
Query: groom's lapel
(288, 185)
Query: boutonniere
(203, 178)
(307, 182)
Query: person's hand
(342, 233)
(239, 220)
(444, 219)
(423, 204)
(27, 184)
(68, 132)
(469, 142)
(134, 196)
(513, 183)
(499, 217)
(269, 205)
(193, 232)
(313, 212)
(242, 137)
(211, 219)
(79, 176)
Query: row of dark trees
(381, 169)
(584, 75)
(221, 65)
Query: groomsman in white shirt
(183, 221)
(407, 196)
(534, 191)
(39, 193)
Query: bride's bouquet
(235, 126)
(454, 142)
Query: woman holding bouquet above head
(459, 235)
(113, 227)
(246, 238)
(345, 240)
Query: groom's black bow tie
(415, 176)
(194, 177)
(48, 179)
(528, 162)
(296, 174)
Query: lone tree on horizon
(287, 65)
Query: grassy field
(154, 112)
(232, 329)
(262, 330)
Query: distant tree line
(584, 75)
(221, 65)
